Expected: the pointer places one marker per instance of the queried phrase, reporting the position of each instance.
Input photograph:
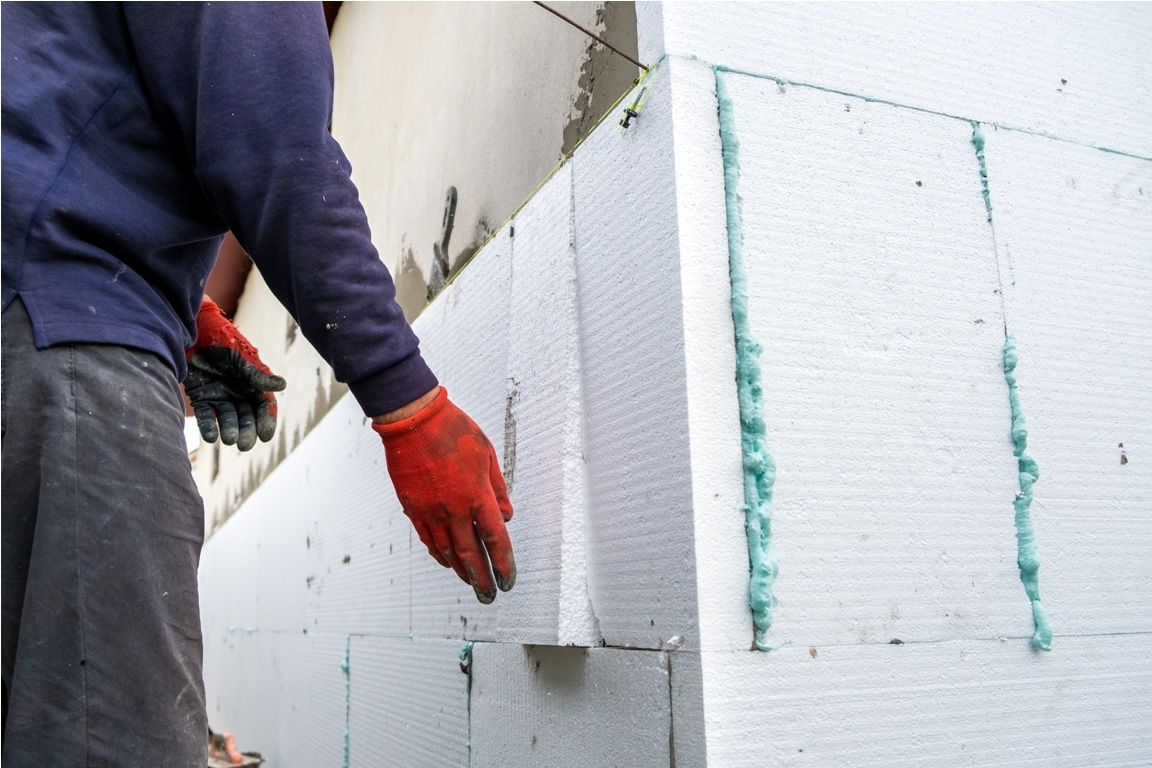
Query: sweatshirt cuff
(394, 387)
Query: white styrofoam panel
(409, 703)
(228, 578)
(874, 292)
(323, 544)
(281, 694)
(689, 736)
(1076, 71)
(650, 31)
(550, 603)
(1073, 228)
(242, 683)
(312, 700)
(972, 703)
(640, 531)
(710, 362)
(541, 705)
(464, 337)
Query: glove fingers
(494, 535)
(266, 417)
(442, 546)
(246, 425)
(229, 425)
(206, 421)
(470, 550)
(426, 538)
(499, 487)
(265, 382)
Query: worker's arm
(247, 90)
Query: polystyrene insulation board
(573, 706)
(464, 337)
(1079, 71)
(982, 703)
(641, 562)
(544, 428)
(408, 703)
(874, 292)
(713, 414)
(322, 545)
(1073, 232)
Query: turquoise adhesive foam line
(759, 466)
(978, 143)
(1027, 554)
(466, 668)
(346, 668)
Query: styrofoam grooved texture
(641, 564)
(1076, 71)
(464, 337)
(1073, 229)
(573, 707)
(594, 346)
(982, 703)
(710, 362)
(886, 403)
(544, 426)
(409, 703)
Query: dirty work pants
(102, 529)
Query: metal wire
(597, 38)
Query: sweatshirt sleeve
(246, 91)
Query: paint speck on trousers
(1027, 555)
(759, 466)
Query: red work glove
(448, 480)
(228, 383)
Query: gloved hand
(228, 384)
(448, 481)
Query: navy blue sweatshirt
(136, 134)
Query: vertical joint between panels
(671, 714)
(759, 466)
(978, 141)
(1027, 554)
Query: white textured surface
(641, 564)
(550, 603)
(710, 359)
(539, 705)
(980, 703)
(1073, 232)
(884, 393)
(994, 62)
(409, 703)
(464, 338)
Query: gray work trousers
(102, 530)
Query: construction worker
(134, 136)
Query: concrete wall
(484, 96)
(592, 338)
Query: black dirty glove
(229, 386)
